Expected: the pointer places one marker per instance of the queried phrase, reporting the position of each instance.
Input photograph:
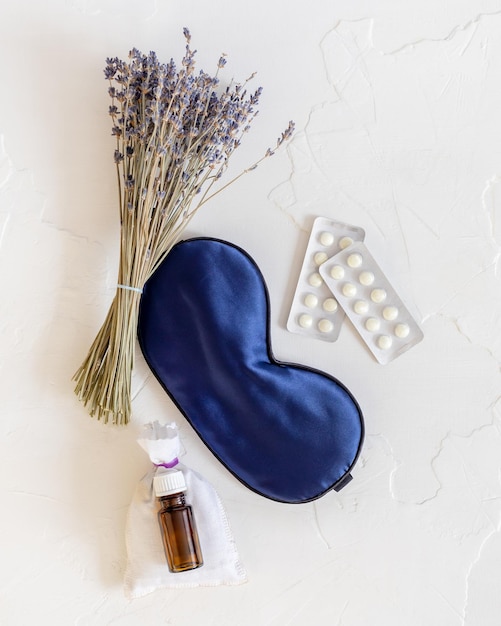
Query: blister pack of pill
(315, 312)
(364, 293)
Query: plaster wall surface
(397, 107)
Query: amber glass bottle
(177, 523)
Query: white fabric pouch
(147, 569)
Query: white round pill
(326, 239)
(390, 313)
(349, 290)
(384, 342)
(372, 324)
(402, 330)
(344, 242)
(325, 326)
(305, 320)
(354, 260)
(320, 257)
(311, 300)
(378, 295)
(315, 280)
(361, 307)
(337, 271)
(330, 305)
(366, 278)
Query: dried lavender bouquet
(175, 133)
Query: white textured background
(398, 113)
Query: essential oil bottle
(177, 524)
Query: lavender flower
(178, 115)
(175, 130)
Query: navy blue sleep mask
(286, 431)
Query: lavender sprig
(175, 130)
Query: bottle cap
(167, 483)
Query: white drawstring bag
(147, 568)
